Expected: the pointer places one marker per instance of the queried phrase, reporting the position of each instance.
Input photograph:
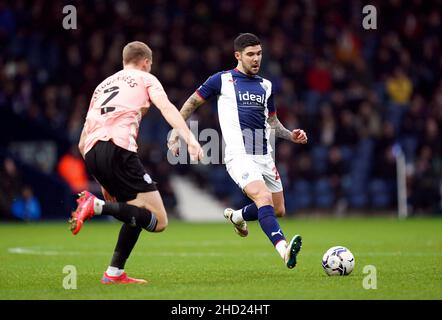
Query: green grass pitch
(193, 261)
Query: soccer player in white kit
(246, 114)
(108, 145)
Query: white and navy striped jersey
(244, 103)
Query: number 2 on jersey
(114, 91)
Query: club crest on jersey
(250, 98)
(245, 175)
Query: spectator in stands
(399, 87)
(368, 122)
(11, 185)
(335, 171)
(319, 77)
(26, 207)
(327, 130)
(385, 167)
(346, 134)
(425, 183)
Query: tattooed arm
(192, 103)
(280, 130)
(296, 136)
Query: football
(338, 261)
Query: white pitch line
(32, 251)
(42, 252)
(37, 251)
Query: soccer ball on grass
(338, 261)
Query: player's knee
(264, 198)
(162, 223)
(161, 226)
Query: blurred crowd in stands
(17, 200)
(356, 92)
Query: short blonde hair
(136, 51)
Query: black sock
(126, 241)
(132, 215)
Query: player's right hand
(195, 150)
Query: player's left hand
(299, 136)
(174, 143)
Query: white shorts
(248, 168)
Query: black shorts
(119, 171)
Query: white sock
(114, 271)
(237, 216)
(281, 247)
(98, 206)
